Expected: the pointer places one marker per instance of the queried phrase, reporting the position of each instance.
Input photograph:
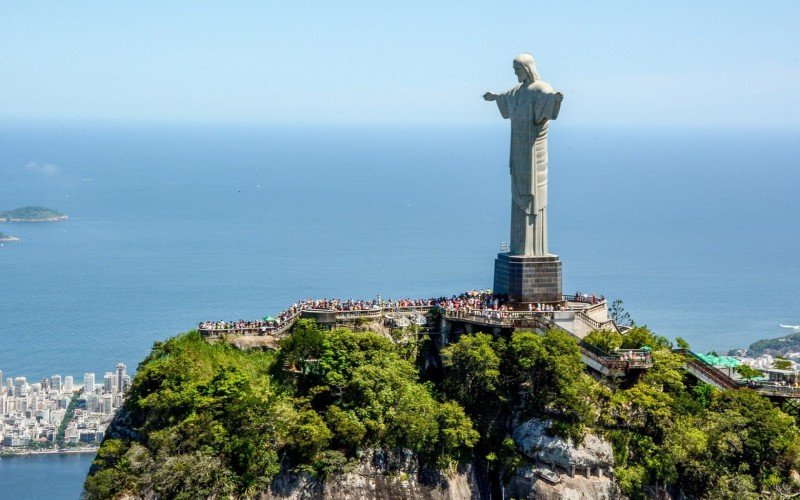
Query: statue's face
(522, 75)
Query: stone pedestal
(528, 279)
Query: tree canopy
(210, 420)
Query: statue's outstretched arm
(557, 104)
(502, 103)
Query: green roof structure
(724, 361)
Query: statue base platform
(524, 278)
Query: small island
(4, 238)
(31, 214)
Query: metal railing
(625, 359)
(286, 324)
(777, 390)
(499, 318)
(351, 314)
(600, 357)
(583, 300)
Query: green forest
(206, 419)
(780, 345)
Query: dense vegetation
(62, 429)
(31, 214)
(211, 420)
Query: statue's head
(525, 68)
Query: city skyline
(55, 414)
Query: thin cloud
(42, 168)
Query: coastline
(4, 453)
(49, 219)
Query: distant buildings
(32, 414)
(88, 382)
(121, 377)
(55, 383)
(109, 383)
(766, 361)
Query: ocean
(696, 230)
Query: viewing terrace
(575, 314)
(478, 308)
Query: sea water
(696, 230)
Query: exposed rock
(527, 484)
(379, 474)
(121, 426)
(293, 486)
(534, 441)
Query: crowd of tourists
(635, 356)
(586, 298)
(472, 298)
(473, 302)
(240, 326)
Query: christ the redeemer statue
(529, 106)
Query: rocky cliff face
(533, 439)
(558, 469)
(530, 483)
(379, 474)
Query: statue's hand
(559, 97)
(490, 97)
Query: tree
(748, 372)
(640, 336)
(307, 435)
(781, 363)
(472, 379)
(348, 431)
(456, 433)
(305, 342)
(472, 370)
(605, 340)
(545, 373)
(620, 316)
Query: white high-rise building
(108, 404)
(20, 386)
(55, 382)
(92, 401)
(121, 377)
(109, 383)
(68, 384)
(88, 383)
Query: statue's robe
(529, 108)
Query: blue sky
(620, 63)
